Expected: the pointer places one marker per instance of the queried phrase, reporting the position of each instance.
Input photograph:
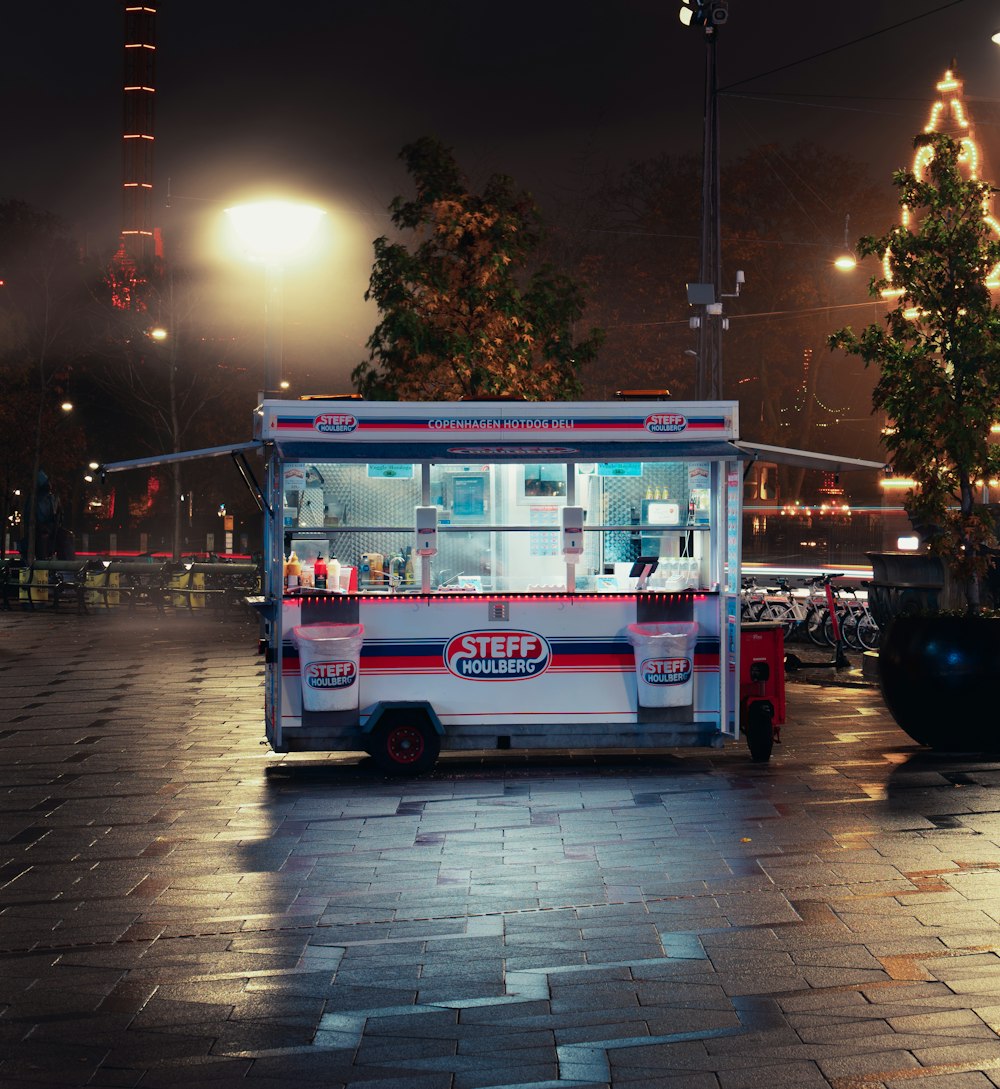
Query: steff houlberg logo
(497, 656)
(331, 422)
(666, 421)
(325, 675)
(665, 670)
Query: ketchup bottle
(320, 572)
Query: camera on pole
(703, 13)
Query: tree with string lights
(938, 355)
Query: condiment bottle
(320, 571)
(293, 569)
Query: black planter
(940, 679)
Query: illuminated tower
(949, 115)
(139, 244)
(137, 132)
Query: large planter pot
(940, 679)
(910, 582)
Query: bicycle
(859, 628)
(821, 616)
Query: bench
(44, 582)
(110, 583)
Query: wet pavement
(181, 907)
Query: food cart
(499, 575)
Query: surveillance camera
(719, 14)
(741, 277)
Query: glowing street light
(272, 232)
(846, 261)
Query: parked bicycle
(858, 627)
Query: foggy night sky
(318, 99)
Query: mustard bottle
(293, 569)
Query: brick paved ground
(181, 907)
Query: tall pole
(273, 328)
(272, 231)
(709, 377)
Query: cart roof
(457, 432)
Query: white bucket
(329, 665)
(664, 662)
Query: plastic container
(664, 662)
(329, 665)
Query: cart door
(731, 496)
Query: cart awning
(456, 451)
(183, 455)
(805, 459)
(465, 450)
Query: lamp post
(271, 232)
(709, 15)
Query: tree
(938, 356)
(461, 317)
(44, 309)
(175, 383)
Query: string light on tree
(949, 115)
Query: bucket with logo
(664, 662)
(329, 660)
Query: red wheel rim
(404, 744)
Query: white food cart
(511, 575)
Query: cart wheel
(405, 747)
(759, 731)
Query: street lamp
(846, 261)
(271, 232)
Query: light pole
(271, 232)
(709, 15)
